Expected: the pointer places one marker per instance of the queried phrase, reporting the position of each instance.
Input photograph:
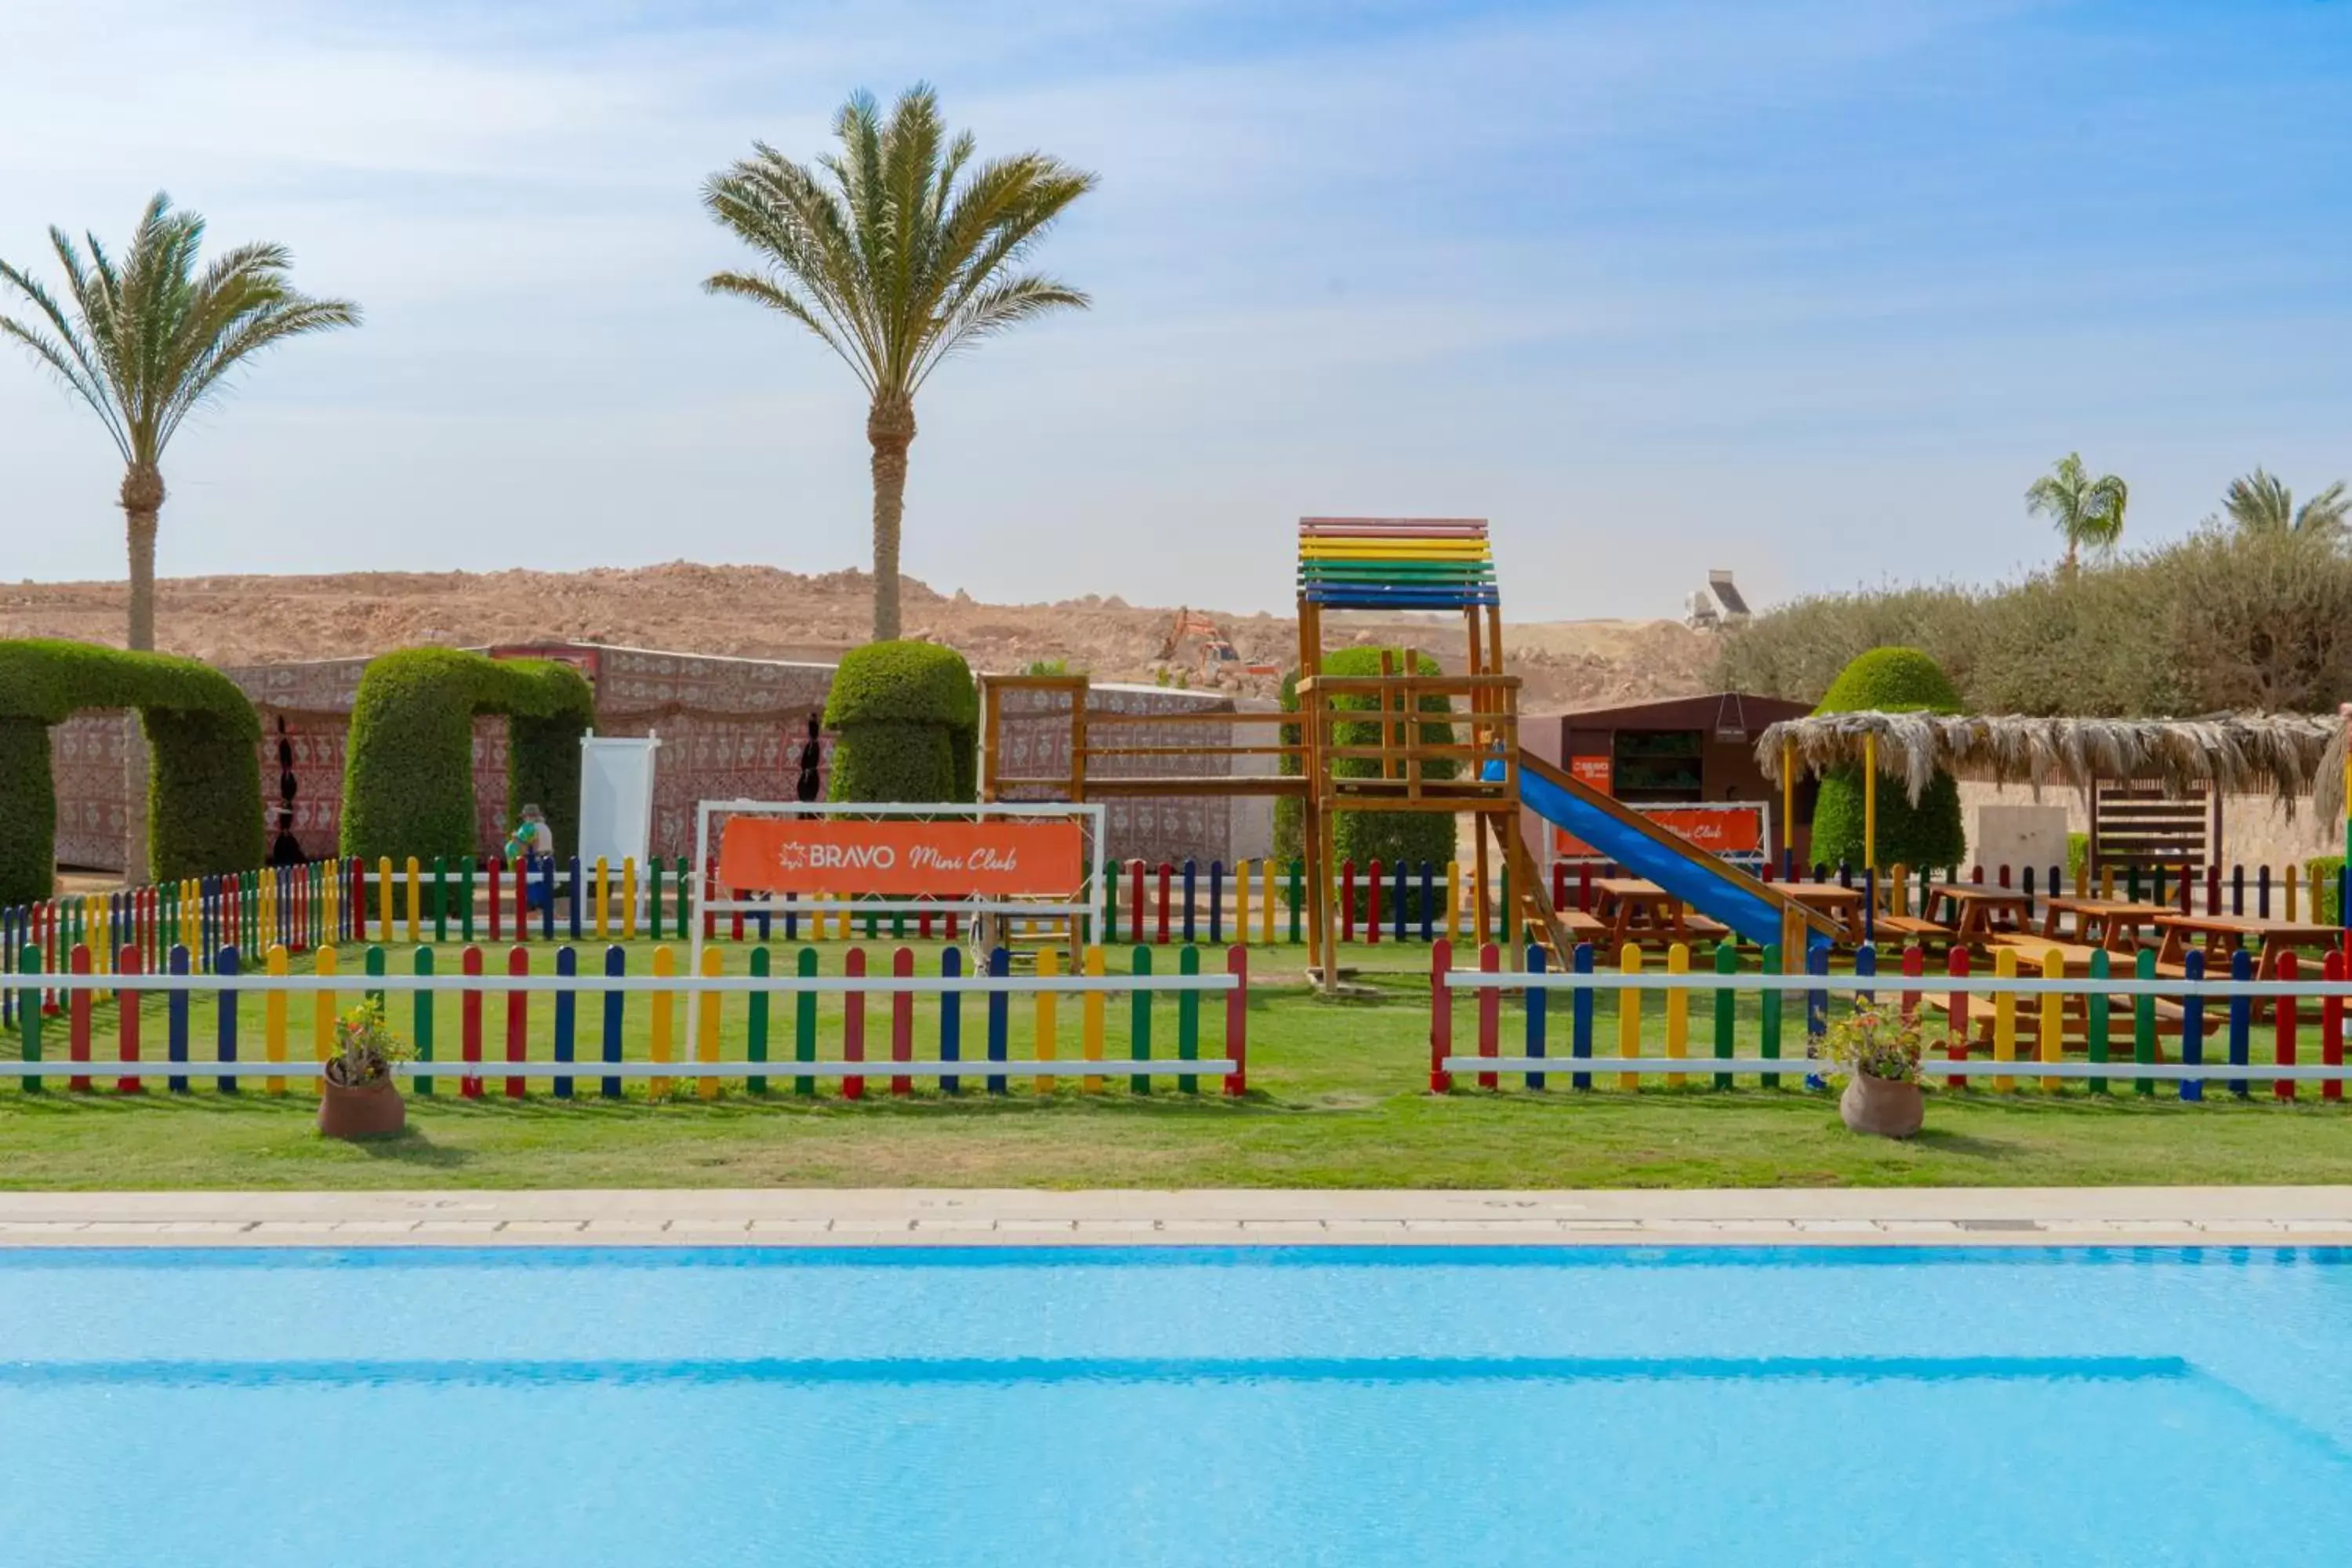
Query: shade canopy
(2286, 755)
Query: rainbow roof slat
(1395, 563)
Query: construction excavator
(1199, 647)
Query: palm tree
(2087, 511)
(895, 252)
(152, 338)
(2259, 503)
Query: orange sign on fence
(1023, 858)
(1730, 829)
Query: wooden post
(1789, 808)
(1869, 802)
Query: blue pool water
(347, 1409)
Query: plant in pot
(358, 1097)
(1877, 1052)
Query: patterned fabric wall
(730, 729)
(1033, 739)
(314, 700)
(86, 761)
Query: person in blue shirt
(532, 845)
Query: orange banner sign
(902, 859)
(1733, 829)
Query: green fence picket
(2098, 1016)
(805, 1020)
(1726, 961)
(28, 1011)
(756, 1027)
(2144, 1023)
(1139, 1047)
(421, 1021)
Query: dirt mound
(759, 612)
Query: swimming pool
(1231, 1406)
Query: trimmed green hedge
(28, 813)
(1364, 836)
(1890, 680)
(408, 780)
(907, 714)
(204, 810)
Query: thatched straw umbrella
(2286, 755)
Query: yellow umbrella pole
(1870, 802)
(1789, 808)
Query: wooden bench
(2073, 1029)
(2032, 951)
(1909, 929)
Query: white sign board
(616, 799)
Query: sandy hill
(759, 612)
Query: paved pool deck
(1939, 1216)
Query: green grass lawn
(1338, 1099)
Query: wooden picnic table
(2112, 923)
(1974, 910)
(2219, 935)
(1836, 900)
(1636, 910)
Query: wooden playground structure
(1391, 742)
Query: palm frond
(2259, 503)
(997, 307)
(895, 246)
(153, 334)
(782, 212)
(284, 317)
(2324, 514)
(776, 297)
(66, 354)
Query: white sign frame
(1089, 814)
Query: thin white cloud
(1651, 284)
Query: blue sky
(1809, 290)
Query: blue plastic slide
(1699, 879)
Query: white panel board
(616, 799)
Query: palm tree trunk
(890, 429)
(143, 502)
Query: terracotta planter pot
(1881, 1107)
(369, 1110)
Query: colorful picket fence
(297, 907)
(685, 1026)
(2212, 1028)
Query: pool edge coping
(1995, 1217)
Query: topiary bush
(408, 780)
(908, 717)
(204, 774)
(1364, 836)
(1890, 680)
(28, 813)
